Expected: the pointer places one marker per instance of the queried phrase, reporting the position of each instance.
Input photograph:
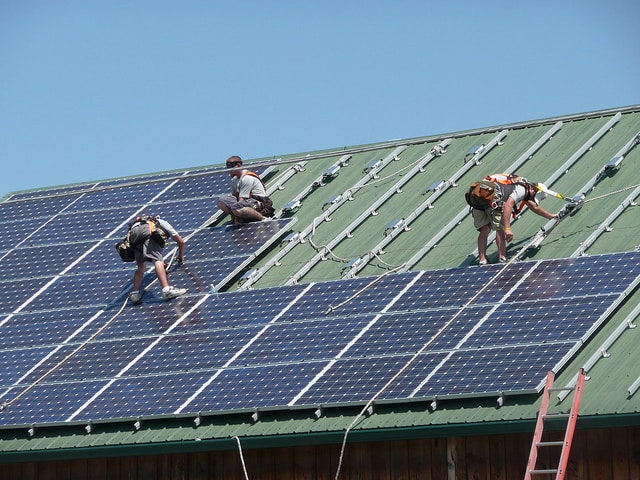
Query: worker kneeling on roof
(494, 201)
(248, 201)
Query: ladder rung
(556, 415)
(550, 444)
(554, 470)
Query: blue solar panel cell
(96, 289)
(47, 402)
(582, 276)
(16, 234)
(409, 332)
(35, 210)
(14, 293)
(79, 226)
(15, 363)
(206, 350)
(254, 387)
(87, 363)
(232, 241)
(518, 368)
(353, 380)
(302, 341)
(24, 263)
(149, 319)
(130, 397)
(541, 321)
(237, 309)
(119, 196)
(200, 185)
(185, 216)
(54, 327)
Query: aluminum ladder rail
(571, 417)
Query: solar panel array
(326, 343)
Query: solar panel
(32, 209)
(325, 343)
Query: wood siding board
(497, 455)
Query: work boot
(249, 214)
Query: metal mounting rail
(550, 225)
(318, 182)
(568, 209)
(301, 237)
(611, 167)
(426, 205)
(347, 232)
(465, 212)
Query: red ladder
(572, 417)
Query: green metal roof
(339, 223)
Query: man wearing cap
(248, 201)
(512, 193)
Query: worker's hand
(508, 234)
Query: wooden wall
(596, 455)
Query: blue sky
(92, 90)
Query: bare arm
(180, 242)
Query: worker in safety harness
(511, 193)
(148, 235)
(248, 201)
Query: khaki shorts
(487, 217)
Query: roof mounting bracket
(434, 404)
(604, 353)
(255, 415)
(292, 237)
(332, 201)
(138, 424)
(438, 150)
(32, 430)
(247, 276)
(298, 167)
(89, 427)
(292, 206)
(396, 224)
(375, 165)
(197, 421)
(355, 261)
(434, 187)
(500, 400)
(318, 412)
(331, 172)
(474, 153)
(614, 163)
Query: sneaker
(483, 262)
(172, 292)
(135, 297)
(503, 260)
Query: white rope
(610, 193)
(244, 467)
